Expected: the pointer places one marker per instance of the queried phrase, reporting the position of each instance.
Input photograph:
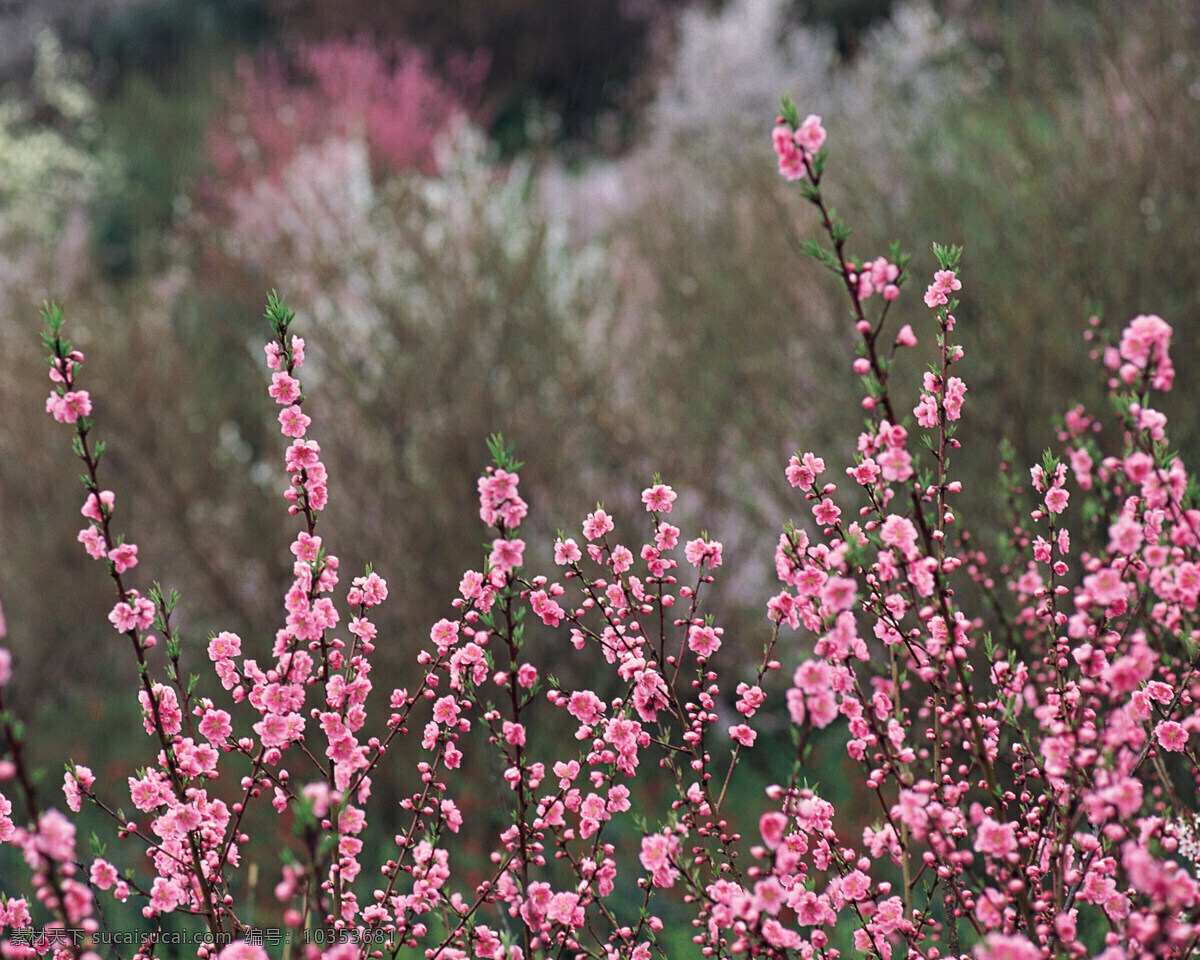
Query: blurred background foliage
(556, 220)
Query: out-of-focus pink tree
(385, 95)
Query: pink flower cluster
(944, 284)
(796, 148)
(309, 490)
(879, 276)
(1029, 764)
(1143, 351)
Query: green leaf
(278, 314)
(52, 315)
(502, 456)
(788, 111)
(819, 161)
(947, 257)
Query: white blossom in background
(48, 175)
(380, 267)
(724, 81)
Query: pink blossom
(791, 159)
(1056, 499)
(102, 874)
(566, 552)
(1007, 947)
(772, 826)
(241, 950)
(953, 400)
(704, 640)
(750, 698)
(995, 839)
(658, 849)
(76, 783)
(926, 411)
(445, 711)
(224, 646)
(826, 512)
(658, 498)
(99, 507)
(284, 389)
(703, 553)
(302, 455)
(93, 541)
(896, 463)
(451, 815)
(444, 634)
(506, 555)
(123, 557)
(585, 706)
(215, 725)
(810, 136)
(1146, 340)
(1171, 736)
(802, 471)
(900, 533)
(666, 537)
(743, 734)
(166, 895)
(944, 284)
(597, 524)
(293, 421)
(70, 406)
(564, 909)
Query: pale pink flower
(224, 646)
(566, 552)
(703, 553)
(123, 557)
(899, 532)
(506, 555)
(293, 421)
(284, 389)
(953, 400)
(98, 507)
(926, 411)
(705, 640)
(995, 839)
(826, 512)
(597, 524)
(1056, 499)
(810, 135)
(1171, 736)
(241, 950)
(93, 542)
(102, 874)
(658, 849)
(1000, 946)
(658, 498)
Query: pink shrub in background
(1025, 728)
(386, 96)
